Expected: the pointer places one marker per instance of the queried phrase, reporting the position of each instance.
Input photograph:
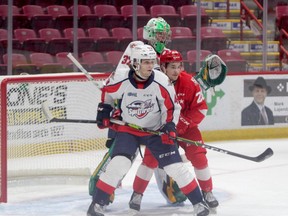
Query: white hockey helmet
(154, 26)
(141, 52)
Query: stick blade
(46, 111)
(265, 155)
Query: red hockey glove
(169, 133)
(103, 115)
(182, 125)
(116, 113)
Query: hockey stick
(82, 69)
(261, 157)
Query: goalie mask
(157, 32)
(212, 73)
(139, 53)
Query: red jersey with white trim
(191, 99)
(150, 105)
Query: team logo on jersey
(180, 99)
(140, 109)
(132, 94)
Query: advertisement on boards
(248, 101)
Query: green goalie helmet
(158, 33)
(212, 73)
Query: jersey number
(126, 60)
(200, 97)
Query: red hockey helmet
(170, 56)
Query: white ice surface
(243, 188)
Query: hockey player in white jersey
(157, 33)
(148, 100)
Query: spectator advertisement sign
(235, 94)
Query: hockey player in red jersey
(148, 100)
(193, 112)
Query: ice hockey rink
(244, 188)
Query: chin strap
(139, 77)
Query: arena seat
(55, 43)
(167, 12)
(20, 64)
(188, 15)
(86, 19)
(45, 63)
(124, 36)
(234, 61)
(142, 16)
(84, 43)
(182, 40)
(103, 41)
(108, 16)
(190, 64)
(19, 20)
(38, 19)
(281, 13)
(213, 39)
(29, 40)
(62, 18)
(114, 57)
(96, 62)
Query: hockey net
(30, 145)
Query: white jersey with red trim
(150, 106)
(125, 60)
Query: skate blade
(213, 210)
(132, 212)
(177, 204)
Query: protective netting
(32, 143)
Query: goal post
(30, 145)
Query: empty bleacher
(106, 26)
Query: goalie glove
(212, 73)
(169, 133)
(103, 115)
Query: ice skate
(201, 209)
(135, 202)
(211, 201)
(95, 210)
